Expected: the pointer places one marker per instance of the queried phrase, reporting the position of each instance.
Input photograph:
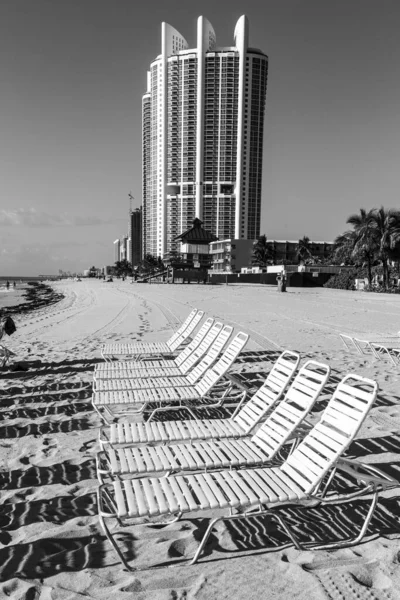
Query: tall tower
(135, 236)
(203, 126)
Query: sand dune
(51, 544)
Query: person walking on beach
(8, 284)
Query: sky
(72, 75)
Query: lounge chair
(160, 379)
(384, 350)
(138, 349)
(388, 347)
(242, 422)
(5, 355)
(108, 369)
(208, 455)
(7, 326)
(174, 396)
(303, 480)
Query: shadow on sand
(39, 429)
(56, 510)
(65, 473)
(51, 556)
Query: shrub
(344, 280)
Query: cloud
(30, 217)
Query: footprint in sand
(88, 445)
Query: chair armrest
(367, 474)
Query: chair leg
(114, 544)
(246, 515)
(101, 414)
(349, 542)
(168, 408)
(103, 516)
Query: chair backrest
(187, 331)
(348, 341)
(202, 348)
(269, 393)
(297, 403)
(214, 374)
(182, 328)
(332, 435)
(212, 354)
(196, 341)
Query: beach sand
(51, 543)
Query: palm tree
(123, 267)
(364, 238)
(386, 224)
(262, 252)
(343, 248)
(303, 251)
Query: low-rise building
(194, 249)
(231, 255)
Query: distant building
(123, 248)
(135, 236)
(202, 137)
(231, 255)
(286, 250)
(117, 248)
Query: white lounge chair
(117, 368)
(384, 348)
(303, 480)
(138, 349)
(385, 351)
(5, 355)
(160, 380)
(208, 455)
(173, 396)
(242, 422)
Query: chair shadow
(255, 356)
(37, 367)
(56, 510)
(45, 388)
(204, 413)
(65, 473)
(39, 399)
(51, 556)
(36, 413)
(40, 429)
(377, 445)
(321, 525)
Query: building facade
(286, 250)
(135, 236)
(124, 248)
(203, 127)
(231, 255)
(117, 247)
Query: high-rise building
(123, 248)
(203, 126)
(135, 236)
(117, 248)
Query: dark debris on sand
(38, 295)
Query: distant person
(8, 284)
(14, 284)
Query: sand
(51, 544)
